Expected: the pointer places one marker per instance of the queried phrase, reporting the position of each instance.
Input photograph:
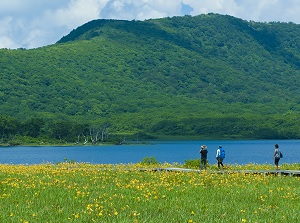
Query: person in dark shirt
(277, 155)
(203, 152)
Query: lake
(237, 152)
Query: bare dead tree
(99, 133)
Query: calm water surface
(237, 152)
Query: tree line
(41, 131)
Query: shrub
(149, 161)
(192, 163)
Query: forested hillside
(208, 76)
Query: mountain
(210, 75)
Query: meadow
(82, 192)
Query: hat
(203, 147)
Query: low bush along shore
(80, 192)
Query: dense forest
(208, 76)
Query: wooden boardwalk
(264, 172)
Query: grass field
(80, 192)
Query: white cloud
(35, 23)
(7, 27)
(141, 10)
(76, 13)
(7, 42)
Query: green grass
(78, 192)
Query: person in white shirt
(220, 156)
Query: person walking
(203, 161)
(277, 155)
(220, 157)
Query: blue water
(237, 152)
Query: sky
(37, 23)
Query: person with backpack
(203, 161)
(220, 157)
(277, 155)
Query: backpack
(278, 154)
(222, 153)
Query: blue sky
(36, 23)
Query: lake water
(237, 152)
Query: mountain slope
(209, 75)
(211, 46)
